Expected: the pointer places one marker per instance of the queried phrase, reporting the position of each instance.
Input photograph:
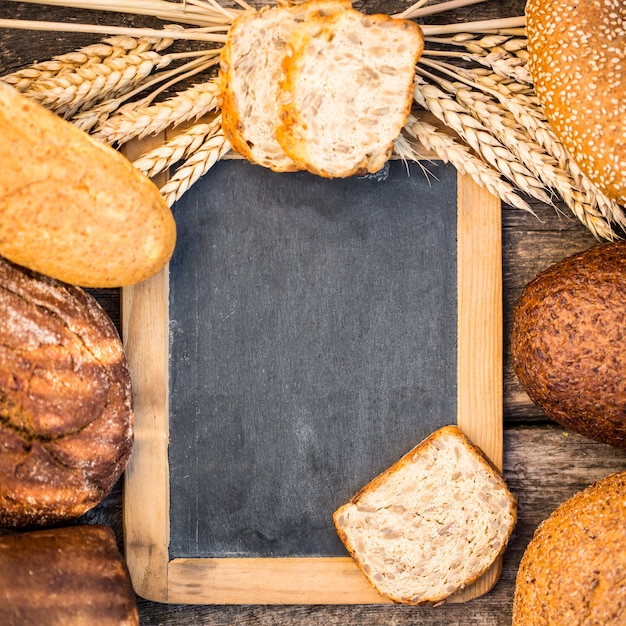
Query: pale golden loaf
(73, 208)
(432, 523)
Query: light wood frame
(299, 580)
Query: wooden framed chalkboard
(306, 334)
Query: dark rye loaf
(568, 342)
(72, 576)
(66, 418)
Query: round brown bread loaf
(66, 419)
(577, 61)
(568, 342)
(573, 570)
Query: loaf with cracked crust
(66, 416)
(573, 570)
(432, 523)
(74, 576)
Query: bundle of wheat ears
(471, 81)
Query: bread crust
(379, 483)
(576, 60)
(72, 207)
(573, 569)
(65, 576)
(294, 132)
(567, 344)
(66, 417)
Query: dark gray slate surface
(313, 342)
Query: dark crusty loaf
(573, 570)
(347, 91)
(568, 346)
(432, 523)
(72, 576)
(250, 76)
(66, 418)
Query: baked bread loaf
(73, 208)
(567, 342)
(347, 91)
(573, 569)
(65, 577)
(577, 63)
(432, 523)
(250, 76)
(66, 429)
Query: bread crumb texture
(432, 523)
(574, 568)
(250, 75)
(577, 59)
(66, 417)
(568, 343)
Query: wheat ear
(198, 164)
(109, 48)
(65, 94)
(139, 120)
(479, 138)
(450, 151)
(178, 148)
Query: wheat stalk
(180, 147)
(479, 138)
(109, 48)
(137, 119)
(85, 85)
(450, 151)
(198, 164)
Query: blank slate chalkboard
(306, 336)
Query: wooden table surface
(543, 464)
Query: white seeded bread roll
(347, 91)
(577, 60)
(432, 523)
(250, 76)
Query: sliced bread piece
(347, 91)
(250, 76)
(432, 523)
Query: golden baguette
(73, 208)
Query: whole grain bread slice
(347, 91)
(250, 77)
(432, 523)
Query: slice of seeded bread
(347, 91)
(432, 523)
(250, 76)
